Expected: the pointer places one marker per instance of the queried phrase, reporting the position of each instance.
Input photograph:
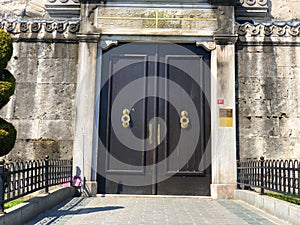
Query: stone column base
(90, 189)
(222, 191)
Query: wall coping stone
(282, 210)
(24, 212)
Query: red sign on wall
(220, 101)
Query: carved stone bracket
(106, 44)
(272, 32)
(209, 46)
(26, 29)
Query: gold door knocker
(184, 120)
(125, 119)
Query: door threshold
(152, 196)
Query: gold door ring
(184, 120)
(125, 118)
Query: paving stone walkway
(153, 210)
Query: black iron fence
(282, 176)
(21, 178)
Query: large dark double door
(155, 120)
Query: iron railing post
(2, 185)
(298, 177)
(238, 172)
(47, 174)
(262, 191)
(71, 173)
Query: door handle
(125, 119)
(158, 134)
(150, 133)
(184, 120)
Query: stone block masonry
(45, 65)
(43, 107)
(268, 93)
(285, 9)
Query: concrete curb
(27, 211)
(282, 210)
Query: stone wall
(262, 10)
(269, 116)
(44, 64)
(23, 9)
(42, 108)
(285, 9)
(268, 76)
(13, 8)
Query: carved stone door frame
(223, 134)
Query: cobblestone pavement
(153, 210)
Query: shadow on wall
(270, 8)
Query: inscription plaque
(156, 20)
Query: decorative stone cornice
(273, 29)
(63, 8)
(40, 29)
(276, 32)
(252, 9)
(253, 3)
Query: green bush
(13, 203)
(283, 197)
(8, 136)
(6, 49)
(7, 87)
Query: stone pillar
(224, 135)
(85, 107)
(223, 108)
